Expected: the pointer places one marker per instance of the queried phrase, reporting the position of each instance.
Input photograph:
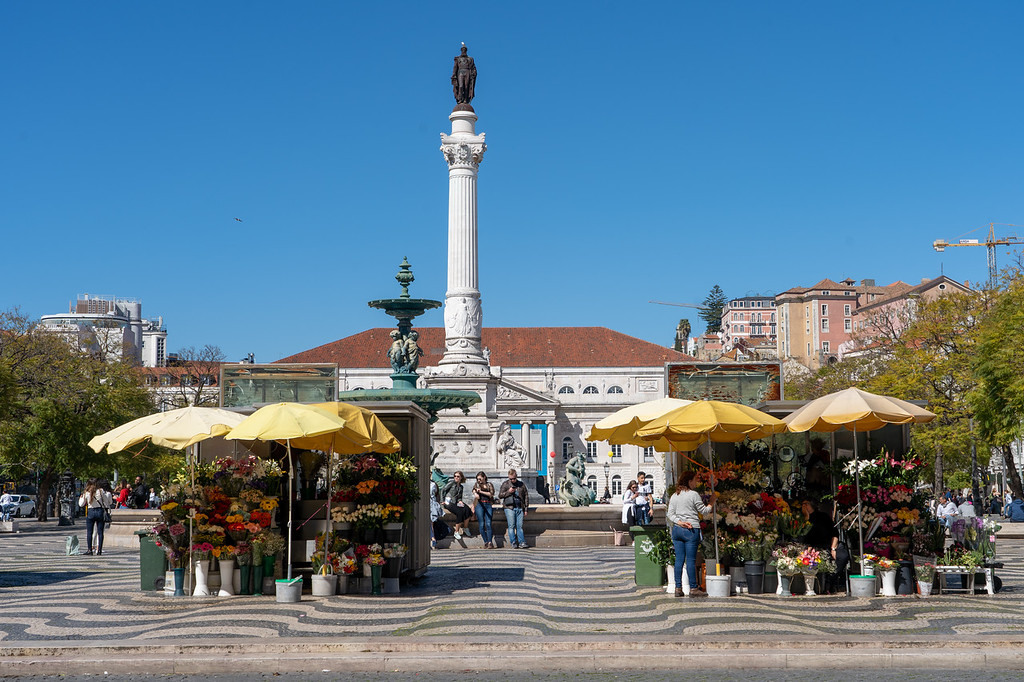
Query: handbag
(630, 516)
(106, 513)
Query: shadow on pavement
(31, 578)
(451, 579)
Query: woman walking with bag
(96, 501)
(483, 507)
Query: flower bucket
(905, 578)
(393, 532)
(754, 571)
(771, 582)
(289, 591)
(324, 585)
(862, 586)
(391, 586)
(889, 583)
(718, 585)
(342, 584)
(925, 588)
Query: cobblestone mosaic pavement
(573, 592)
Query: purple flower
(177, 529)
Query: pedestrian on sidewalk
(683, 517)
(516, 499)
(483, 507)
(629, 504)
(453, 502)
(140, 496)
(96, 500)
(642, 501)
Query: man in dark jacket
(516, 499)
(140, 496)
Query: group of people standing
(514, 497)
(637, 499)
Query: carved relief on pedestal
(462, 317)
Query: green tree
(62, 398)
(712, 309)
(998, 399)
(931, 360)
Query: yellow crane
(940, 245)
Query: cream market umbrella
(855, 410)
(716, 422)
(175, 429)
(287, 422)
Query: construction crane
(993, 272)
(682, 305)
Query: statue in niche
(464, 78)
(509, 450)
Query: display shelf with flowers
(887, 494)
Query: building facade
(552, 385)
(814, 322)
(112, 327)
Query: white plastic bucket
(862, 586)
(324, 585)
(718, 585)
(289, 591)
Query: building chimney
(867, 282)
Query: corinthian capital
(463, 153)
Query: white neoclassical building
(550, 385)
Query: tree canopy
(54, 397)
(713, 306)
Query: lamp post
(607, 492)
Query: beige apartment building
(813, 322)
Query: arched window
(566, 448)
(592, 483)
(616, 485)
(589, 390)
(566, 389)
(649, 480)
(615, 389)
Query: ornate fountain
(404, 355)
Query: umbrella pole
(714, 505)
(191, 512)
(327, 516)
(860, 519)
(291, 505)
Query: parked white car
(25, 505)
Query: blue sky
(635, 152)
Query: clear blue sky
(635, 152)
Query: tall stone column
(527, 446)
(463, 316)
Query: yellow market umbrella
(714, 421)
(363, 432)
(855, 410)
(175, 429)
(619, 428)
(287, 422)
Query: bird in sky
(239, 220)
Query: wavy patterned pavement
(576, 593)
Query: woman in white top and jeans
(683, 517)
(95, 499)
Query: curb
(553, 654)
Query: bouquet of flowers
(812, 561)
(173, 539)
(348, 564)
(243, 553)
(324, 565)
(202, 551)
(885, 565)
(786, 559)
(925, 571)
(394, 550)
(375, 559)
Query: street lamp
(607, 492)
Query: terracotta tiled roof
(509, 347)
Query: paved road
(573, 608)
(812, 675)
